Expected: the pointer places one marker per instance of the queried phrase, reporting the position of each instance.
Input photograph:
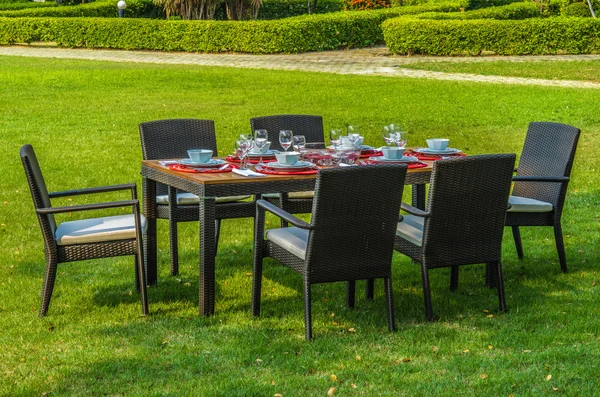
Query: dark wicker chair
(464, 221)
(541, 182)
(309, 126)
(170, 139)
(350, 236)
(84, 239)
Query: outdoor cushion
(191, 199)
(293, 195)
(292, 239)
(523, 204)
(95, 230)
(411, 229)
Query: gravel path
(371, 61)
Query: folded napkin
(168, 162)
(246, 172)
(347, 165)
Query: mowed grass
(549, 70)
(82, 119)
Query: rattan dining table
(208, 186)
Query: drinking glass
(260, 140)
(353, 134)
(335, 136)
(299, 142)
(389, 135)
(401, 138)
(285, 139)
(242, 147)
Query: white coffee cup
(287, 158)
(392, 152)
(200, 155)
(438, 143)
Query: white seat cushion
(95, 230)
(411, 229)
(293, 195)
(191, 199)
(292, 239)
(523, 204)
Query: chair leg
(453, 278)
(426, 293)
(307, 311)
(517, 237)
(217, 234)
(370, 289)
(490, 275)
(48, 286)
(351, 293)
(500, 286)
(259, 221)
(141, 281)
(174, 248)
(389, 297)
(136, 270)
(560, 246)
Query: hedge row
(511, 11)
(526, 37)
(107, 9)
(22, 6)
(278, 9)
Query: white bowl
(264, 149)
(200, 155)
(438, 143)
(287, 158)
(392, 152)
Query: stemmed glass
(299, 143)
(242, 147)
(335, 136)
(260, 140)
(286, 138)
(393, 135)
(353, 134)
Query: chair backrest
(309, 126)
(549, 150)
(468, 199)
(168, 139)
(355, 214)
(39, 192)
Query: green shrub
(108, 9)
(525, 37)
(577, 10)
(278, 9)
(477, 4)
(22, 6)
(291, 35)
(359, 5)
(510, 11)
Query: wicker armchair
(169, 139)
(463, 224)
(84, 239)
(541, 182)
(350, 237)
(309, 126)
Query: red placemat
(252, 160)
(185, 168)
(431, 157)
(272, 171)
(370, 153)
(413, 165)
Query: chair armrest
(286, 216)
(87, 207)
(532, 178)
(99, 189)
(412, 210)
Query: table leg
(418, 196)
(206, 286)
(149, 211)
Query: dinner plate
(404, 159)
(362, 147)
(295, 166)
(432, 151)
(267, 153)
(212, 163)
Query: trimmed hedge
(107, 9)
(278, 9)
(22, 6)
(526, 37)
(511, 11)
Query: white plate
(362, 147)
(209, 164)
(298, 164)
(432, 151)
(404, 159)
(267, 153)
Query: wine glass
(299, 142)
(401, 138)
(335, 136)
(260, 140)
(389, 135)
(242, 147)
(353, 134)
(285, 139)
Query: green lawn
(551, 70)
(82, 119)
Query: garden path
(375, 61)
